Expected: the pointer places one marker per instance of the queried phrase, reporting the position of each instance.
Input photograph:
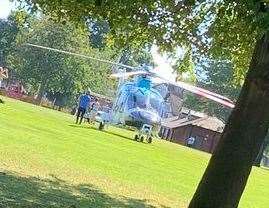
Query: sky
(163, 68)
(5, 8)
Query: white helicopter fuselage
(137, 104)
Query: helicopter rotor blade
(200, 91)
(193, 89)
(207, 94)
(129, 74)
(80, 55)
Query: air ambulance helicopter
(138, 104)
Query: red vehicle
(15, 91)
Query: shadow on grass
(31, 192)
(82, 126)
(104, 131)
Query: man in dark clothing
(84, 102)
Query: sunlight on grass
(57, 163)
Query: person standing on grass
(191, 141)
(84, 102)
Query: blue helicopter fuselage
(138, 103)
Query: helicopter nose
(146, 117)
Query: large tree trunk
(258, 159)
(228, 170)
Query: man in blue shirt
(84, 102)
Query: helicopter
(138, 104)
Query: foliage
(58, 74)
(237, 26)
(98, 32)
(129, 54)
(186, 64)
(132, 22)
(228, 28)
(217, 77)
(108, 161)
(8, 33)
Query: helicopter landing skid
(144, 133)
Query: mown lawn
(48, 161)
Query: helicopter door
(118, 116)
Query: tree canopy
(8, 34)
(216, 76)
(228, 28)
(58, 74)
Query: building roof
(211, 123)
(207, 122)
(174, 122)
(192, 112)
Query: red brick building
(206, 130)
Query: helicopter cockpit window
(141, 101)
(144, 101)
(136, 100)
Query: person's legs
(83, 111)
(78, 114)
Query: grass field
(48, 161)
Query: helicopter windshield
(144, 100)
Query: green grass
(47, 161)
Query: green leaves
(217, 77)
(8, 32)
(225, 30)
(229, 28)
(59, 74)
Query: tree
(263, 150)
(59, 75)
(8, 33)
(234, 27)
(98, 32)
(218, 77)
